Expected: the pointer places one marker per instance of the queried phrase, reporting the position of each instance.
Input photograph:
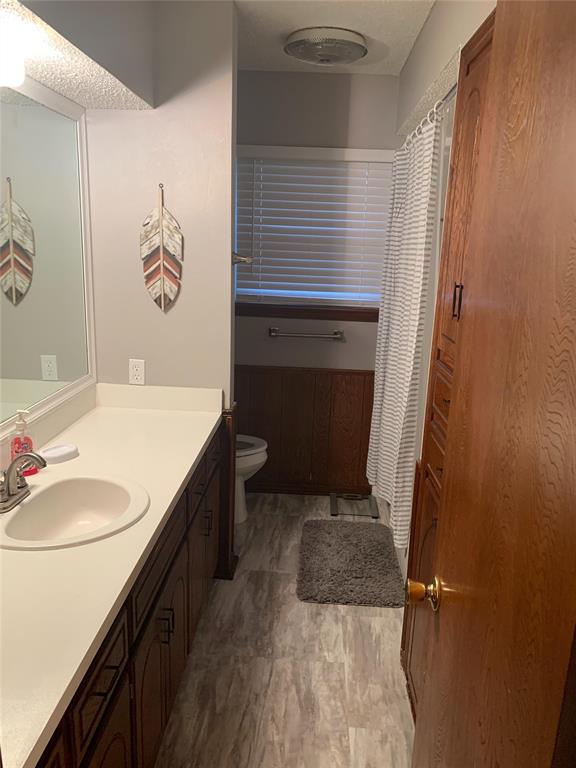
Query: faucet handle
(20, 479)
(3, 486)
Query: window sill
(308, 312)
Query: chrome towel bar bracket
(276, 333)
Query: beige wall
(186, 143)
(255, 347)
(450, 25)
(313, 110)
(317, 110)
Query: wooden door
(469, 118)
(419, 624)
(149, 691)
(56, 756)
(500, 645)
(173, 612)
(114, 744)
(212, 525)
(471, 103)
(196, 571)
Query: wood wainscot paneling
(316, 422)
(308, 312)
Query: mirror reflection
(42, 302)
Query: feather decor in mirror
(161, 250)
(16, 248)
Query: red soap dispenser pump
(21, 442)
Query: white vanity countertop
(57, 605)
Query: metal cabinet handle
(209, 522)
(169, 620)
(115, 669)
(457, 300)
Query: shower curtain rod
(433, 113)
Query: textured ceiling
(390, 27)
(53, 61)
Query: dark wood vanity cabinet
(159, 661)
(148, 687)
(57, 755)
(118, 715)
(212, 525)
(114, 748)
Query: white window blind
(316, 230)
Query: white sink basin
(73, 511)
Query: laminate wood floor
(275, 683)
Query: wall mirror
(45, 327)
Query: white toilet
(250, 457)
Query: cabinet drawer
(441, 397)
(99, 685)
(213, 454)
(435, 456)
(149, 581)
(196, 490)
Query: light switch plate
(49, 366)
(136, 371)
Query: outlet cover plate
(49, 366)
(136, 371)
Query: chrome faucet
(13, 485)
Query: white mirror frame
(54, 101)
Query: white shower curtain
(405, 288)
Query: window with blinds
(315, 229)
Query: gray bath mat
(349, 563)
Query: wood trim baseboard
(308, 312)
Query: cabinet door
(196, 571)
(212, 524)
(56, 756)
(422, 569)
(470, 109)
(173, 612)
(114, 746)
(149, 691)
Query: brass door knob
(417, 592)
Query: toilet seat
(247, 445)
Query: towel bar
(276, 333)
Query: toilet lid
(246, 445)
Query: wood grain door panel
(211, 526)
(471, 104)
(500, 651)
(173, 610)
(470, 114)
(114, 747)
(197, 590)
(422, 568)
(149, 693)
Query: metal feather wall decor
(161, 250)
(16, 248)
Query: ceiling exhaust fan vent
(326, 46)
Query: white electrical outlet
(136, 371)
(49, 367)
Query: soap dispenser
(21, 442)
